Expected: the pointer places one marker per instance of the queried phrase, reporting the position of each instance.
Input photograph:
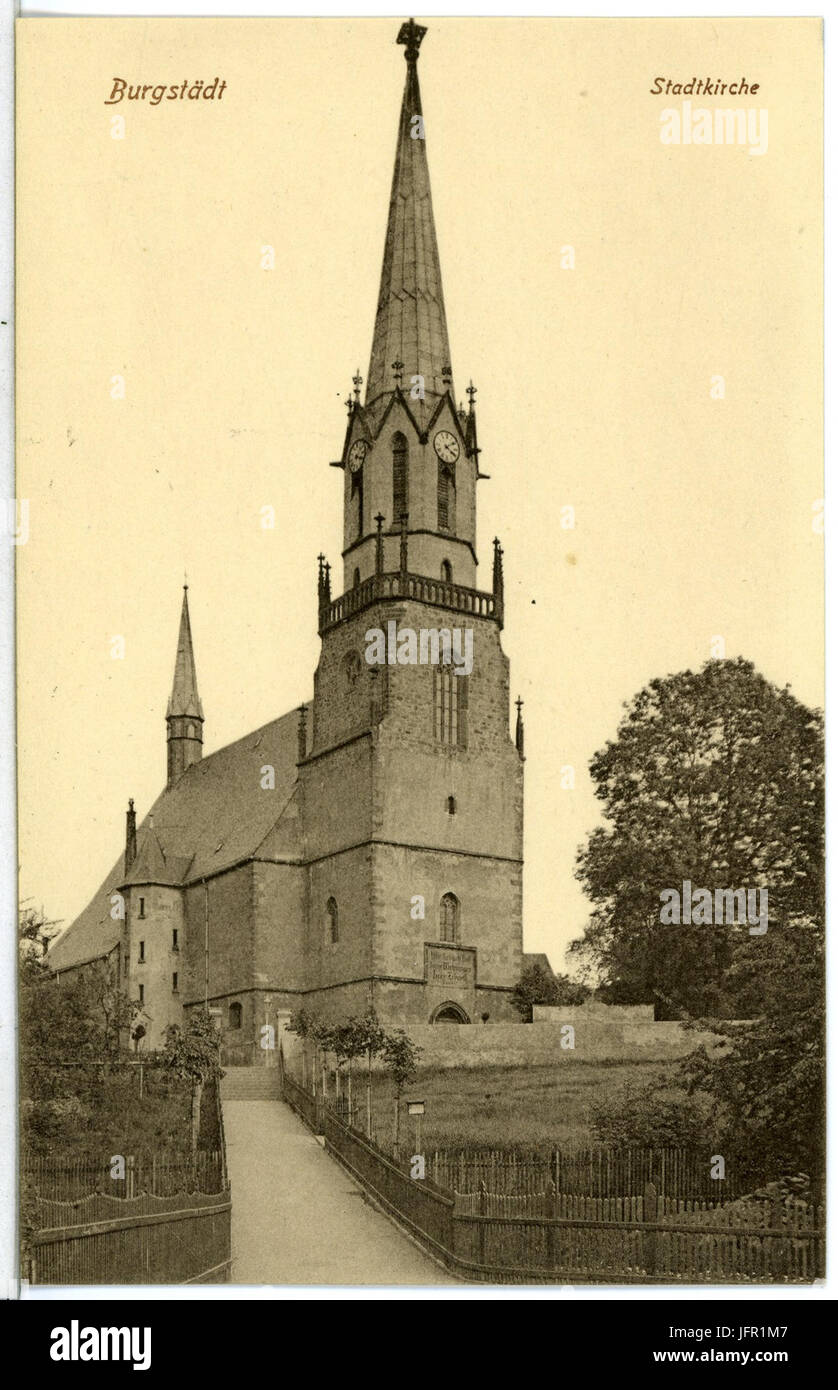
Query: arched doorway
(449, 1012)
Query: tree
(536, 986)
(369, 1036)
(304, 1023)
(71, 1028)
(35, 936)
(714, 777)
(767, 1091)
(401, 1059)
(193, 1054)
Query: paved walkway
(298, 1217)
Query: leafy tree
(35, 936)
(305, 1024)
(401, 1059)
(368, 1037)
(71, 1029)
(193, 1054)
(536, 986)
(715, 777)
(767, 1091)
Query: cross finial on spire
(398, 368)
(411, 35)
(357, 382)
(471, 392)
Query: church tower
(184, 715)
(412, 788)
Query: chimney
(130, 836)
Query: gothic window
(174, 939)
(141, 957)
(142, 994)
(449, 918)
(452, 806)
(142, 907)
(332, 924)
(450, 707)
(174, 982)
(446, 574)
(446, 498)
(235, 1015)
(356, 578)
(400, 494)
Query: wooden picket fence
(555, 1237)
(183, 1238)
(599, 1171)
(161, 1174)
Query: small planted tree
(192, 1053)
(304, 1024)
(372, 1036)
(401, 1059)
(321, 1032)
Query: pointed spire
(184, 715)
(410, 325)
(184, 698)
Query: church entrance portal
(449, 1013)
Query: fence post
(481, 1230)
(552, 1229)
(650, 1238)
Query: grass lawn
(532, 1107)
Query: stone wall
(532, 1044)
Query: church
(366, 848)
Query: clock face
(357, 454)
(446, 446)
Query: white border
(8, 1087)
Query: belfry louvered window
(400, 496)
(450, 707)
(446, 498)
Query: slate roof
(217, 814)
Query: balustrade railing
(455, 598)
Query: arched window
(450, 707)
(235, 1015)
(446, 498)
(332, 925)
(446, 573)
(452, 806)
(356, 578)
(449, 918)
(400, 480)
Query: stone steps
(251, 1083)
